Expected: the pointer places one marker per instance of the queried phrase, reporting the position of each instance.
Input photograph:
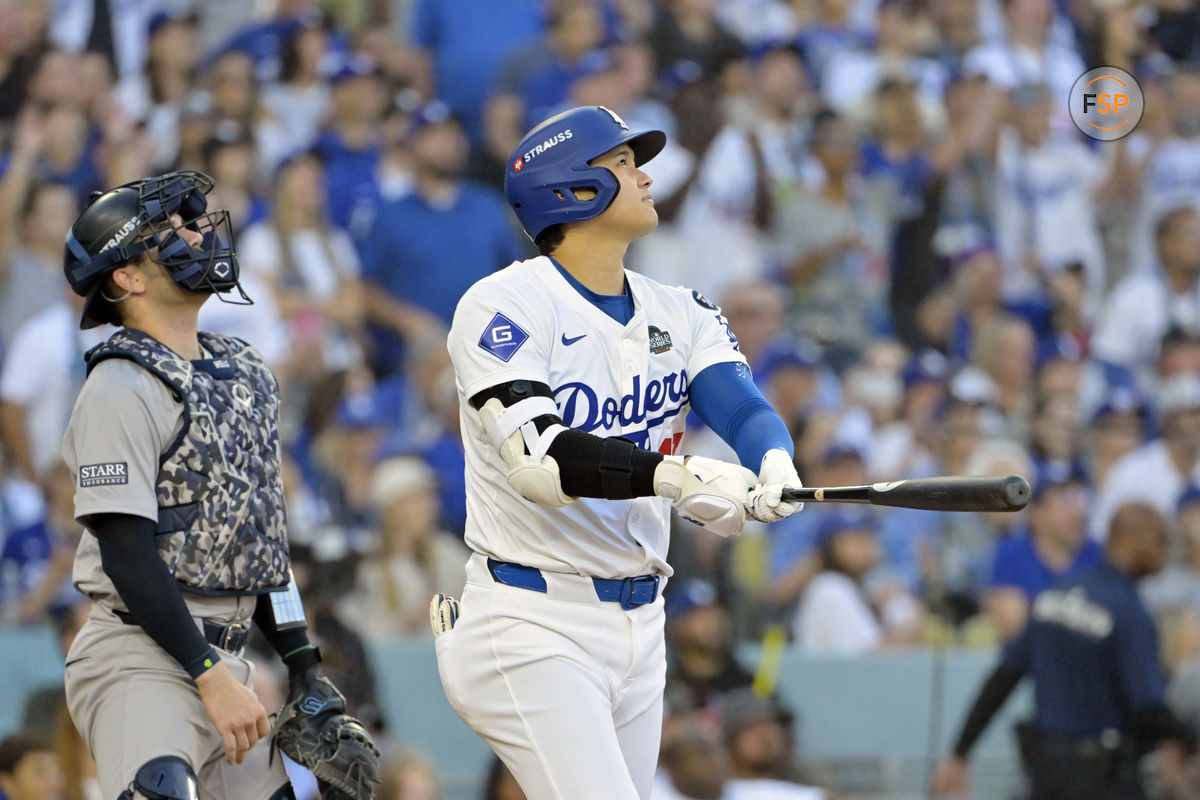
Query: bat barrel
(946, 493)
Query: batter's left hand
(777, 472)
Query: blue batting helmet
(552, 161)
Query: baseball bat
(945, 493)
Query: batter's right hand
(234, 710)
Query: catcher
(174, 448)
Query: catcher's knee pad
(163, 778)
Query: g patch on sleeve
(111, 473)
(502, 337)
(703, 301)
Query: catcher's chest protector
(221, 523)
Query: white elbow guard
(531, 473)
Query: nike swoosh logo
(568, 342)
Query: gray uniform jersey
(123, 421)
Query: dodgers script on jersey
(527, 322)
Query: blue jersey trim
(727, 399)
(617, 306)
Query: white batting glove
(707, 492)
(777, 472)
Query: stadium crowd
(930, 270)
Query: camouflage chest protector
(221, 522)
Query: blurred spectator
(415, 280)
(961, 564)
(21, 47)
(155, 95)
(794, 556)
(535, 79)
(408, 775)
(836, 614)
(349, 145)
(831, 240)
(33, 215)
(116, 31)
(466, 47)
(729, 200)
(1158, 471)
(687, 38)
(1166, 159)
(36, 558)
(902, 31)
(831, 32)
(1143, 305)
(29, 769)
(695, 762)
(232, 163)
(1117, 428)
(1173, 595)
(1055, 547)
(41, 374)
(903, 447)
(1003, 350)
(500, 784)
(229, 103)
(299, 99)
(755, 311)
(1046, 185)
(758, 732)
(311, 268)
(414, 559)
(700, 637)
(1029, 53)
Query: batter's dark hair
(16, 746)
(549, 239)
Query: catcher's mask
(122, 223)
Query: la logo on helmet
(616, 119)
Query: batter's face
(632, 212)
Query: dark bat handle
(946, 493)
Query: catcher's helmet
(552, 160)
(122, 223)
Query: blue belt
(629, 592)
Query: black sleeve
(611, 468)
(1156, 723)
(293, 646)
(154, 600)
(991, 697)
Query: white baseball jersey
(527, 322)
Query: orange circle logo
(1106, 103)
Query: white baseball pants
(566, 689)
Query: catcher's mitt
(314, 730)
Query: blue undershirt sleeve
(726, 398)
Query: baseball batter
(174, 448)
(574, 378)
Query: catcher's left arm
(313, 728)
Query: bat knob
(1016, 492)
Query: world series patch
(112, 473)
(660, 341)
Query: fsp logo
(1106, 103)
